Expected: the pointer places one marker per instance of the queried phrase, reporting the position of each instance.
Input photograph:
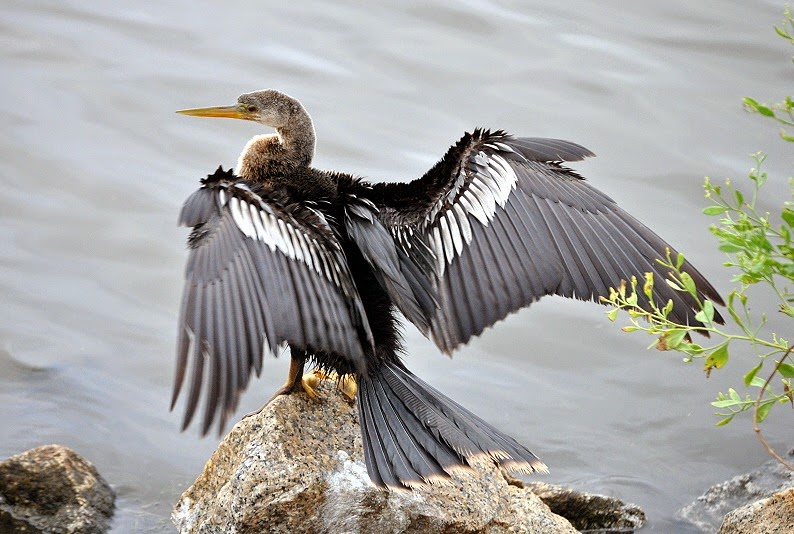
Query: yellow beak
(238, 111)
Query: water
(95, 166)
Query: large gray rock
(53, 489)
(708, 510)
(298, 467)
(773, 515)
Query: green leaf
(763, 411)
(788, 310)
(735, 317)
(749, 376)
(671, 339)
(689, 284)
(726, 403)
(707, 312)
(714, 210)
(612, 315)
(730, 249)
(723, 422)
(782, 33)
(758, 382)
(786, 370)
(673, 284)
(690, 348)
(759, 108)
(788, 216)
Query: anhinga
(281, 252)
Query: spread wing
(499, 222)
(261, 272)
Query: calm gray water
(95, 166)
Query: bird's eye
(251, 108)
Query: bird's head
(269, 107)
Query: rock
(298, 467)
(53, 489)
(772, 515)
(589, 511)
(708, 510)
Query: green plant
(760, 251)
(782, 112)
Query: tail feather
(424, 465)
(376, 458)
(503, 449)
(392, 444)
(438, 450)
(413, 434)
(430, 418)
(466, 436)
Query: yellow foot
(347, 384)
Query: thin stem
(756, 426)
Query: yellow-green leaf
(647, 287)
(717, 359)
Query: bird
(281, 252)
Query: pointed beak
(238, 111)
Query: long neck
(268, 157)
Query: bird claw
(346, 384)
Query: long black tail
(414, 435)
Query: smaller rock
(773, 515)
(53, 489)
(589, 511)
(708, 510)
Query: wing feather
(262, 271)
(503, 224)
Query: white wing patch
(488, 190)
(257, 221)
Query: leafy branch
(759, 250)
(674, 336)
(782, 112)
